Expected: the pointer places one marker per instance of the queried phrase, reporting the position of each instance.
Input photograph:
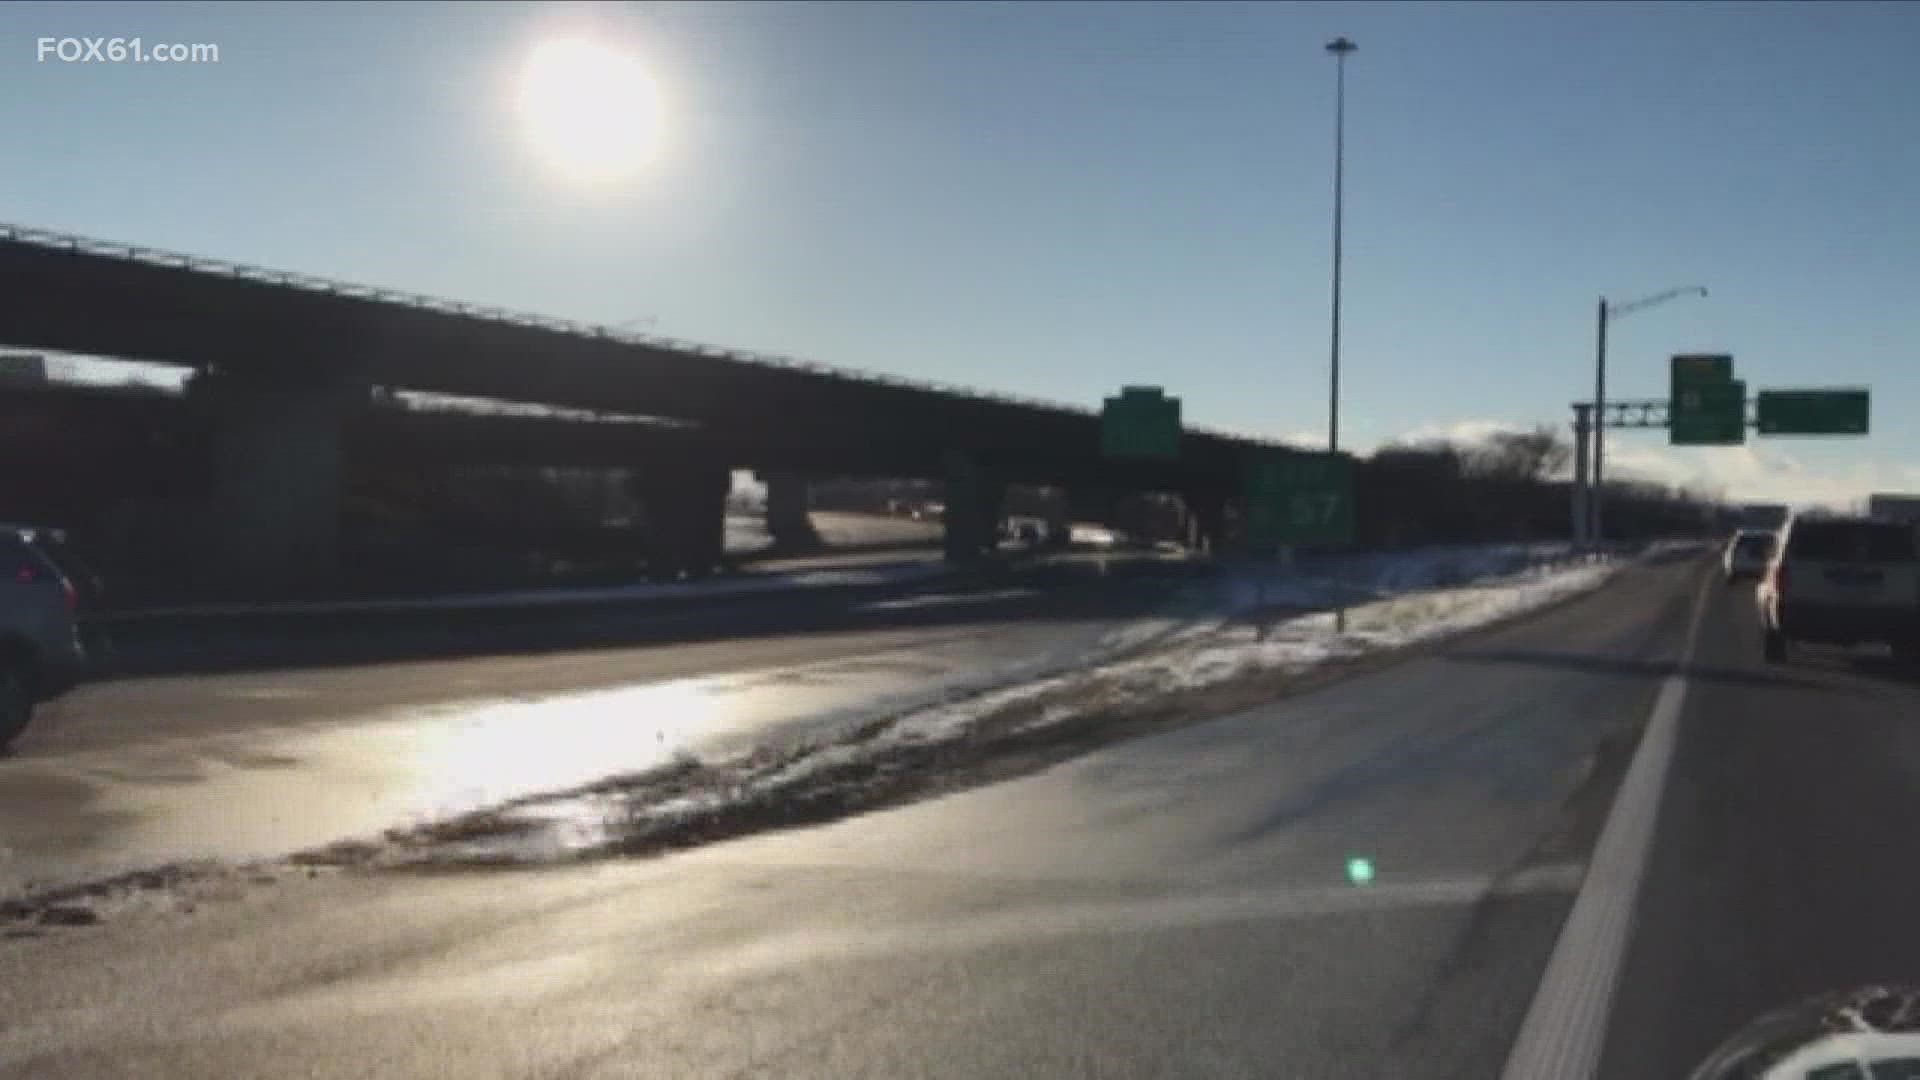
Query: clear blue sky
(1059, 198)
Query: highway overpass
(286, 360)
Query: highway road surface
(135, 772)
(1365, 879)
(1783, 865)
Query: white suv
(1842, 581)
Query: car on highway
(1842, 581)
(1089, 536)
(41, 654)
(1747, 554)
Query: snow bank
(1186, 668)
(1197, 659)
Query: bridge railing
(313, 283)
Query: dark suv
(40, 651)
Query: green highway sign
(1701, 369)
(1299, 498)
(1707, 406)
(1708, 414)
(1812, 412)
(1141, 424)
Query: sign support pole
(1582, 434)
(1596, 488)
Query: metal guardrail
(48, 238)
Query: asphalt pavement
(1364, 879)
(1781, 867)
(134, 772)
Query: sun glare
(592, 110)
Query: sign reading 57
(1300, 499)
(1315, 509)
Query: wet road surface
(1180, 905)
(136, 772)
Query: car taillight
(1779, 583)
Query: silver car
(40, 651)
(1747, 554)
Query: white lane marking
(1566, 1026)
(906, 603)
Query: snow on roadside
(1200, 672)
(1226, 651)
(1191, 664)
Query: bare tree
(1519, 456)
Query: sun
(592, 111)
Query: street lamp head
(1341, 46)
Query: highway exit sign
(1714, 414)
(1706, 405)
(1300, 499)
(1697, 369)
(1141, 424)
(1812, 412)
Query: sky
(1059, 199)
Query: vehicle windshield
(1755, 547)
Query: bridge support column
(975, 504)
(684, 514)
(787, 519)
(274, 526)
(1206, 521)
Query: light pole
(1607, 312)
(1339, 47)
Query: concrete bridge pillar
(788, 523)
(976, 503)
(1206, 521)
(276, 441)
(683, 510)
